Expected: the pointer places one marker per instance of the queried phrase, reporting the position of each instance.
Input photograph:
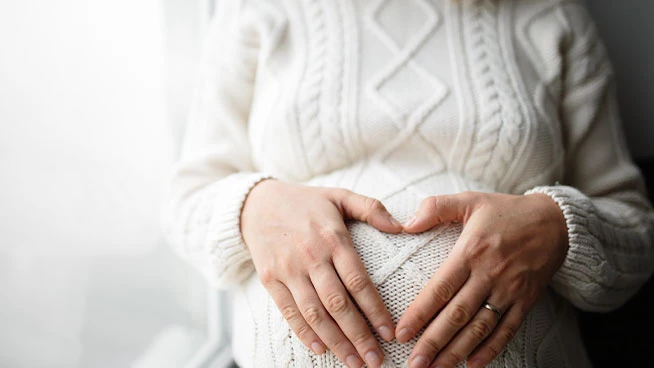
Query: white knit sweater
(400, 100)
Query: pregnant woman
(409, 182)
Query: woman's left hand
(508, 251)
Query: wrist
(553, 215)
(258, 190)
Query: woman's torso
(468, 88)
(399, 100)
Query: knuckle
(267, 275)
(493, 351)
(468, 195)
(312, 315)
(304, 332)
(432, 203)
(331, 237)
(337, 303)
(517, 287)
(480, 329)
(356, 283)
(417, 319)
(499, 269)
(432, 346)
(361, 339)
(307, 250)
(453, 356)
(290, 313)
(333, 194)
(477, 198)
(476, 247)
(458, 316)
(373, 205)
(443, 291)
(377, 314)
(340, 346)
(342, 192)
(370, 206)
(507, 333)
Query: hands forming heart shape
(507, 253)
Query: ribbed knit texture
(400, 100)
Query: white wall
(85, 143)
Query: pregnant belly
(400, 266)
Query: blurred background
(93, 98)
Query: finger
(449, 321)
(441, 209)
(473, 334)
(366, 209)
(289, 309)
(321, 322)
(499, 339)
(354, 276)
(440, 289)
(339, 305)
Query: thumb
(441, 209)
(358, 207)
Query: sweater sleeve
(608, 216)
(209, 183)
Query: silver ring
(493, 309)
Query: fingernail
(404, 335)
(385, 333)
(317, 348)
(353, 362)
(411, 221)
(393, 221)
(373, 359)
(419, 362)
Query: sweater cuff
(582, 259)
(229, 255)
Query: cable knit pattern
(615, 262)
(319, 105)
(309, 97)
(500, 121)
(400, 100)
(406, 118)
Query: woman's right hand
(304, 257)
